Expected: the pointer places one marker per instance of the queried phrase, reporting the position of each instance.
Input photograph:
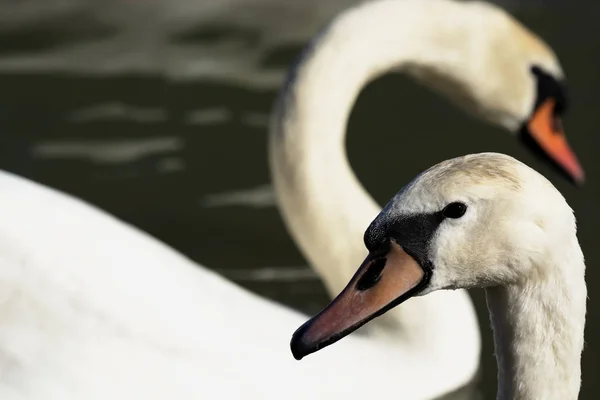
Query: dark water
(161, 153)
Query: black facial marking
(412, 232)
(372, 275)
(548, 87)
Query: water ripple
(107, 151)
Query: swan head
(475, 221)
(504, 74)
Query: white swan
(474, 53)
(121, 315)
(483, 220)
(92, 308)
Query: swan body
(92, 308)
(483, 220)
(473, 53)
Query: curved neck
(323, 204)
(538, 332)
(318, 192)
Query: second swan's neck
(323, 204)
(317, 190)
(538, 332)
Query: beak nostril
(372, 275)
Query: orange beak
(546, 129)
(382, 282)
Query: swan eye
(454, 210)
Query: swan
(93, 308)
(123, 315)
(482, 220)
(476, 55)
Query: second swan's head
(479, 220)
(473, 52)
(500, 71)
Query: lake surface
(168, 132)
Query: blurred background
(157, 112)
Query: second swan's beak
(382, 282)
(547, 132)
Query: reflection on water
(106, 152)
(185, 159)
(260, 196)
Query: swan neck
(323, 204)
(538, 335)
(313, 180)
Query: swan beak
(546, 130)
(382, 282)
